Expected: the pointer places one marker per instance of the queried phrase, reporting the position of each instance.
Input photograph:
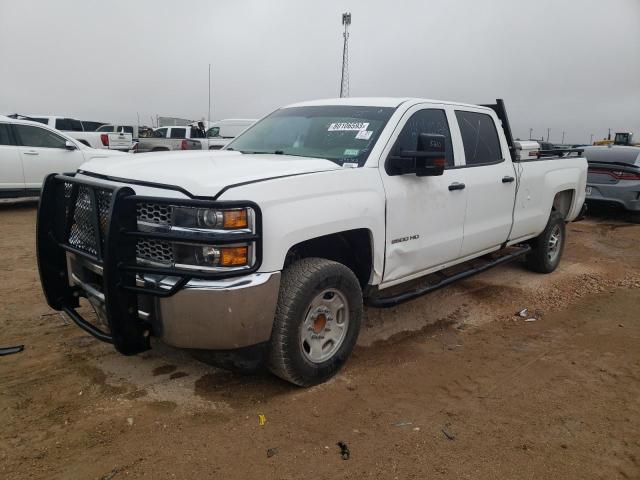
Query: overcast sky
(560, 64)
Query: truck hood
(204, 173)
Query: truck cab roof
(393, 102)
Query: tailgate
(120, 141)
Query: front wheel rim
(555, 244)
(325, 325)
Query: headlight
(209, 226)
(207, 218)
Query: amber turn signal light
(235, 219)
(234, 256)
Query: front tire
(317, 321)
(547, 248)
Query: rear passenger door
(489, 179)
(11, 174)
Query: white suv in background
(29, 151)
(81, 131)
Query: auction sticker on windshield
(348, 126)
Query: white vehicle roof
(376, 102)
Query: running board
(393, 300)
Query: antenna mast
(344, 81)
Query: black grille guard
(115, 251)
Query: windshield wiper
(275, 152)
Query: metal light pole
(563, 132)
(548, 131)
(530, 133)
(344, 80)
(209, 114)
(591, 141)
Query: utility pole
(563, 132)
(344, 80)
(209, 114)
(591, 141)
(609, 135)
(530, 133)
(548, 131)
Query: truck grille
(82, 234)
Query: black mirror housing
(427, 160)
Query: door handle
(31, 152)
(507, 179)
(456, 186)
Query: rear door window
(38, 137)
(429, 120)
(479, 137)
(178, 133)
(5, 134)
(196, 133)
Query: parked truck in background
(166, 139)
(272, 244)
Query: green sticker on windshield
(351, 152)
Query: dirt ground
(452, 385)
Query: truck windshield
(340, 133)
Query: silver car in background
(614, 177)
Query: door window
(424, 121)
(105, 128)
(160, 133)
(5, 134)
(69, 125)
(38, 137)
(213, 132)
(178, 133)
(480, 138)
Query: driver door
(425, 215)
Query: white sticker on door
(347, 126)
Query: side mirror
(69, 145)
(427, 160)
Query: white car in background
(29, 151)
(84, 134)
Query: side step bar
(393, 300)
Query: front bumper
(133, 300)
(206, 314)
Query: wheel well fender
(352, 248)
(563, 201)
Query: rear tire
(317, 321)
(634, 217)
(547, 248)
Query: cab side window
(38, 137)
(160, 133)
(429, 120)
(178, 133)
(480, 138)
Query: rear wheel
(547, 248)
(634, 217)
(317, 321)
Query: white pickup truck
(273, 244)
